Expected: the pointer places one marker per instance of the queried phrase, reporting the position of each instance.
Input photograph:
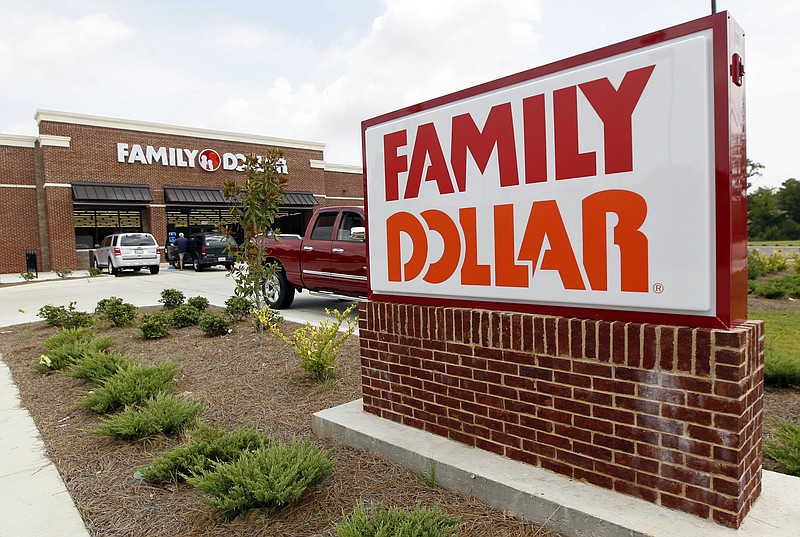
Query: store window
(94, 224)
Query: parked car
(331, 258)
(128, 251)
(205, 250)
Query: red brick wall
(668, 414)
(19, 223)
(60, 228)
(19, 229)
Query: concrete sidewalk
(34, 501)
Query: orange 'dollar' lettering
(515, 267)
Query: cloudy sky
(314, 69)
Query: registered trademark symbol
(658, 288)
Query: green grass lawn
(774, 243)
(781, 345)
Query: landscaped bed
(243, 381)
(249, 379)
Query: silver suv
(128, 251)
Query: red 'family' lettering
(429, 162)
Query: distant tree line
(773, 213)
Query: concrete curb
(566, 506)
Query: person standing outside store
(182, 244)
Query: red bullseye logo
(209, 160)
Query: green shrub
(64, 317)
(129, 386)
(427, 522)
(318, 346)
(28, 276)
(266, 317)
(171, 298)
(786, 449)
(163, 414)
(200, 303)
(99, 365)
(239, 307)
(208, 445)
(63, 273)
(94, 271)
(214, 325)
(70, 335)
(269, 478)
(68, 347)
(155, 325)
(785, 286)
(184, 316)
(52, 314)
(780, 369)
(115, 310)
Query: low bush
(266, 317)
(155, 325)
(184, 316)
(129, 386)
(785, 286)
(214, 325)
(99, 365)
(239, 307)
(52, 314)
(68, 347)
(94, 271)
(171, 298)
(208, 445)
(268, 478)
(163, 414)
(116, 311)
(200, 303)
(759, 264)
(785, 449)
(64, 317)
(63, 273)
(780, 369)
(28, 276)
(421, 521)
(318, 346)
(70, 335)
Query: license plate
(223, 258)
(138, 251)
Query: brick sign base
(672, 415)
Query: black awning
(111, 192)
(299, 199)
(194, 195)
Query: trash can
(30, 262)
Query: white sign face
(590, 187)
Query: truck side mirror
(358, 233)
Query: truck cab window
(349, 220)
(323, 229)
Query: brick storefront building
(84, 177)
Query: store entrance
(188, 220)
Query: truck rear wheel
(278, 292)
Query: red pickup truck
(331, 258)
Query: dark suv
(205, 250)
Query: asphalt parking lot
(20, 302)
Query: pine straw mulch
(244, 382)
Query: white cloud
(52, 44)
(416, 51)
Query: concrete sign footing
(529, 493)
